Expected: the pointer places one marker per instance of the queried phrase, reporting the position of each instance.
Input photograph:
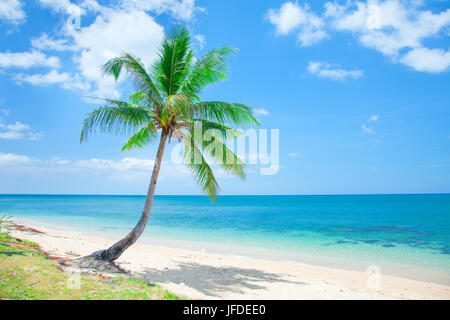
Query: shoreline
(198, 275)
(396, 269)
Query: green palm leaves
(167, 98)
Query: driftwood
(24, 228)
(88, 262)
(35, 248)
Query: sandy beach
(197, 275)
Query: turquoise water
(407, 235)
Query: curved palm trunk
(119, 247)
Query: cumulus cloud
(26, 60)
(429, 60)
(374, 118)
(67, 81)
(124, 26)
(45, 42)
(70, 8)
(179, 9)
(11, 11)
(261, 112)
(293, 17)
(287, 18)
(16, 131)
(326, 70)
(397, 29)
(57, 5)
(390, 26)
(7, 159)
(109, 36)
(128, 168)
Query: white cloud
(390, 27)
(129, 168)
(62, 6)
(368, 130)
(59, 161)
(291, 17)
(109, 36)
(308, 37)
(43, 79)
(295, 155)
(125, 169)
(179, 9)
(56, 5)
(287, 18)
(326, 70)
(125, 26)
(16, 131)
(201, 40)
(11, 11)
(125, 164)
(66, 80)
(44, 42)
(26, 60)
(429, 60)
(12, 159)
(261, 112)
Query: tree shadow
(212, 280)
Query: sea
(401, 235)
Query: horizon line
(224, 195)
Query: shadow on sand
(212, 280)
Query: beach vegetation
(26, 274)
(4, 224)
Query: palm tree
(166, 101)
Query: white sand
(197, 275)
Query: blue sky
(359, 92)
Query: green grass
(25, 274)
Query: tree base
(93, 262)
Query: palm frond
(135, 71)
(227, 132)
(225, 113)
(141, 98)
(117, 117)
(195, 160)
(141, 138)
(178, 104)
(208, 70)
(174, 61)
(214, 145)
(167, 98)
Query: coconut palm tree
(167, 105)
